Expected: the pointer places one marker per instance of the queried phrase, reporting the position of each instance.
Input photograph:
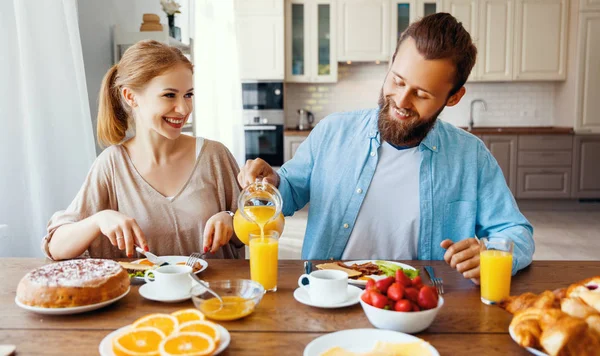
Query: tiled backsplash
(358, 86)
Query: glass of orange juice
(495, 263)
(264, 252)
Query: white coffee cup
(326, 287)
(172, 279)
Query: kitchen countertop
(495, 130)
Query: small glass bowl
(240, 298)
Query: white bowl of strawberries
(400, 304)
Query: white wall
(96, 19)
(358, 87)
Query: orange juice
(263, 260)
(233, 308)
(495, 271)
(243, 228)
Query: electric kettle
(305, 119)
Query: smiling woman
(159, 189)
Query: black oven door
(262, 96)
(266, 142)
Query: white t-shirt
(387, 225)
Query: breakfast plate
(301, 295)
(360, 340)
(71, 310)
(530, 349)
(105, 347)
(362, 282)
(172, 260)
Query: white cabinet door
(540, 39)
(310, 41)
(467, 12)
(363, 30)
(290, 146)
(427, 7)
(496, 19)
(403, 13)
(260, 45)
(585, 5)
(588, 80)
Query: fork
(191, 261)
(438, 283)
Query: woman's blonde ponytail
(112, 117)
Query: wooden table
(281, 325)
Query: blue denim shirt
(463, 192)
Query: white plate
(151, 291)
(530, 349)
(105, 347)
(362, 282)
(71, 310)
(172, 260)
(301, 295)
(358, 340)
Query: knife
(152, 257)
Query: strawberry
(379, 300)
(428, 298)
(402, 279)
(366, 297)
(417, 282)
(370, 284)
(411, 294)
(384, 284)
(403, 305)
(395, 291)
(415, 306)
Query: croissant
(514, 304)
(576, 307)
(590, 284)
(525, 327)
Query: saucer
(153, 292)
(301, 295)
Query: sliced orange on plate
(164, 322)
(185, 315)
(188, 344)
(144, 341)
(202, 326)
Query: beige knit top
(172, 226)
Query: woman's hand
(217, 232)
(121, 230)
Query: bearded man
(395, 182)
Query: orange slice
(164, 322)
(144, 341)
(188, 344)
(185, 315)
(202, 326)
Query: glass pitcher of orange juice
(259, 210)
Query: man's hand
(257, 168)
(464, 257)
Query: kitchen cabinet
(586, 166)
(504, 150)
(310, 41)
(290, 145)
(404, 12)
(363, 30)
(544, 166)
(259, 29)
(587, 117)
(587, 5)
(496, 30)
(540, 39)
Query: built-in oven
(266, 142)
(263, 121)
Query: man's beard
(408, 132)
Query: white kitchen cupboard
(466, 12)
(587, 117)
(404, 12)
(363, 30)
(588, 5)
(427, 7)
(259, 29)
(310, 41)
(496, 30)
(290, 146)
(540, 39)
